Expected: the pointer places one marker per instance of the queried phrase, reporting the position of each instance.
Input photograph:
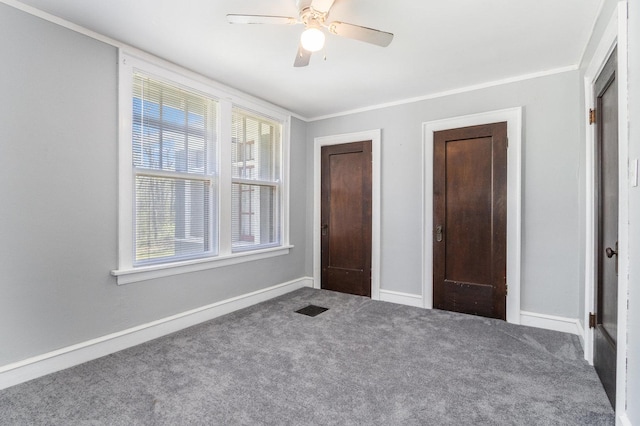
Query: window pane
(256, 147)
(172, 218)
(255, 216)
(172, 128)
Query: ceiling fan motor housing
(312, 18)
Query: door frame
(614, 35)
(375, 137)
(513, 117)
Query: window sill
(143, 273)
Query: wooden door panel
(345, 213)
(606, 330)
(470, 192)
(346, 218)
(604, 362)
(608, 102)
(467, 226)
(345, 281)
(470, 298)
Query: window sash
(255, 219)
(173, 223)
(173, 136)
(174, 128)
(210, 243)
(256, 146)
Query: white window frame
(227, 98)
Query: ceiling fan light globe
(312, 39)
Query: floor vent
(312, 310)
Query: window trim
(227, 98)
(148, 272)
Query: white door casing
(513, 117)
(375, 137)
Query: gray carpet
(361, 362)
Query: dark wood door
(346, 218)
(604, 358)
(470, 220)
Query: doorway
(375, 136)
(513, 118)
(605, 317)
(470, 220)
(613, 38)
(346, 218)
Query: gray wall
(58, 209)
(633, 336)
(551, 145)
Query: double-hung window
(173, 146)
(255, 181)
(202, 174)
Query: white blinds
(174, 134)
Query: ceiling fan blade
(356, 32)
(302, 57)
(322, 5)
(260, 19)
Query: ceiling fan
(313, 14)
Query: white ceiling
(438, 46)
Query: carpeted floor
(361, 362)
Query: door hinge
(592, 320)
(592, 116)
(506, 289)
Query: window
(202, 174)
(173, 139)
(255, 181)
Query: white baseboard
(551, 322)
(580, 332)
(532, 319)
(41, 365)
(401, 298)
(623, 420)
